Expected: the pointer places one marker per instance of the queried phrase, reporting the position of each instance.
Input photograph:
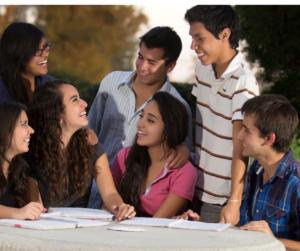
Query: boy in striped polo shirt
(223, 83)
(272, 200)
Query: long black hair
(18, 45)
(175, 118)
(10, 114)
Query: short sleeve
(99, 149)
(184, 181)
(118, 166)
(247, 88)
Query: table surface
(99, 238)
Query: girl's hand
(123, 212)
(31, 211)
(188, 215)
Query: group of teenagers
(132, 154)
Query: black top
(7, 199)
(70, 199)
(5, 94)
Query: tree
(273, 37)
(88, 41)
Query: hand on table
(188, 215)
(91, 137)
(123, 212)
(31, 211)
(230, 213)
(261, 226)
(177, 158)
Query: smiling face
(20, 138)
(37, 65)
(150, 66)
(74, 117)
(207, 47)
(150, 126)
(249, 135)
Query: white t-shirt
(219, 103)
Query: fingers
(178, 157)
(188, 215)
(124, 211)
(256, 226)
(172, 161)
(91, 137)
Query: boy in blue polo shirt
(272, 200)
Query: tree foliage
(273, 37)
(88, 41)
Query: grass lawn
(296, 148)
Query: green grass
(296, 148)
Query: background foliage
(88, 42)
(273, 37)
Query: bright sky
(171, 15)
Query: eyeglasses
(39, 52)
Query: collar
(235, 64)
(283, 165)
(128, 80)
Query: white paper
(49, 215)
(126, 229)
(143, 221)
(78, 222)
(37, 224)
(197, 225)
(82, 213)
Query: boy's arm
(290, 245)
(97, 109)
(231, 212)
(263, 226)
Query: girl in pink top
(140, 172)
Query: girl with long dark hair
(14, 140)
(61, 160)
(140, 173)
(23, 62)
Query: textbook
(81, 213)
(170, 223)
(51, 223)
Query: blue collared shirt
(277, 201)
(114, 119)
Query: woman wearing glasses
(23, 62)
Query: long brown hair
(10, 115)
(46, 111)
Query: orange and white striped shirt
(219, 103)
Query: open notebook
(183, 224)
(81, 213)
(51, 223)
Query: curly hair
(10, 113)
(175, 118)
(47, 149)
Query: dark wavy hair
(19, 43)
(10, 114)
(46, 111)
(175, 118)
(215, 19)
(166, 38)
